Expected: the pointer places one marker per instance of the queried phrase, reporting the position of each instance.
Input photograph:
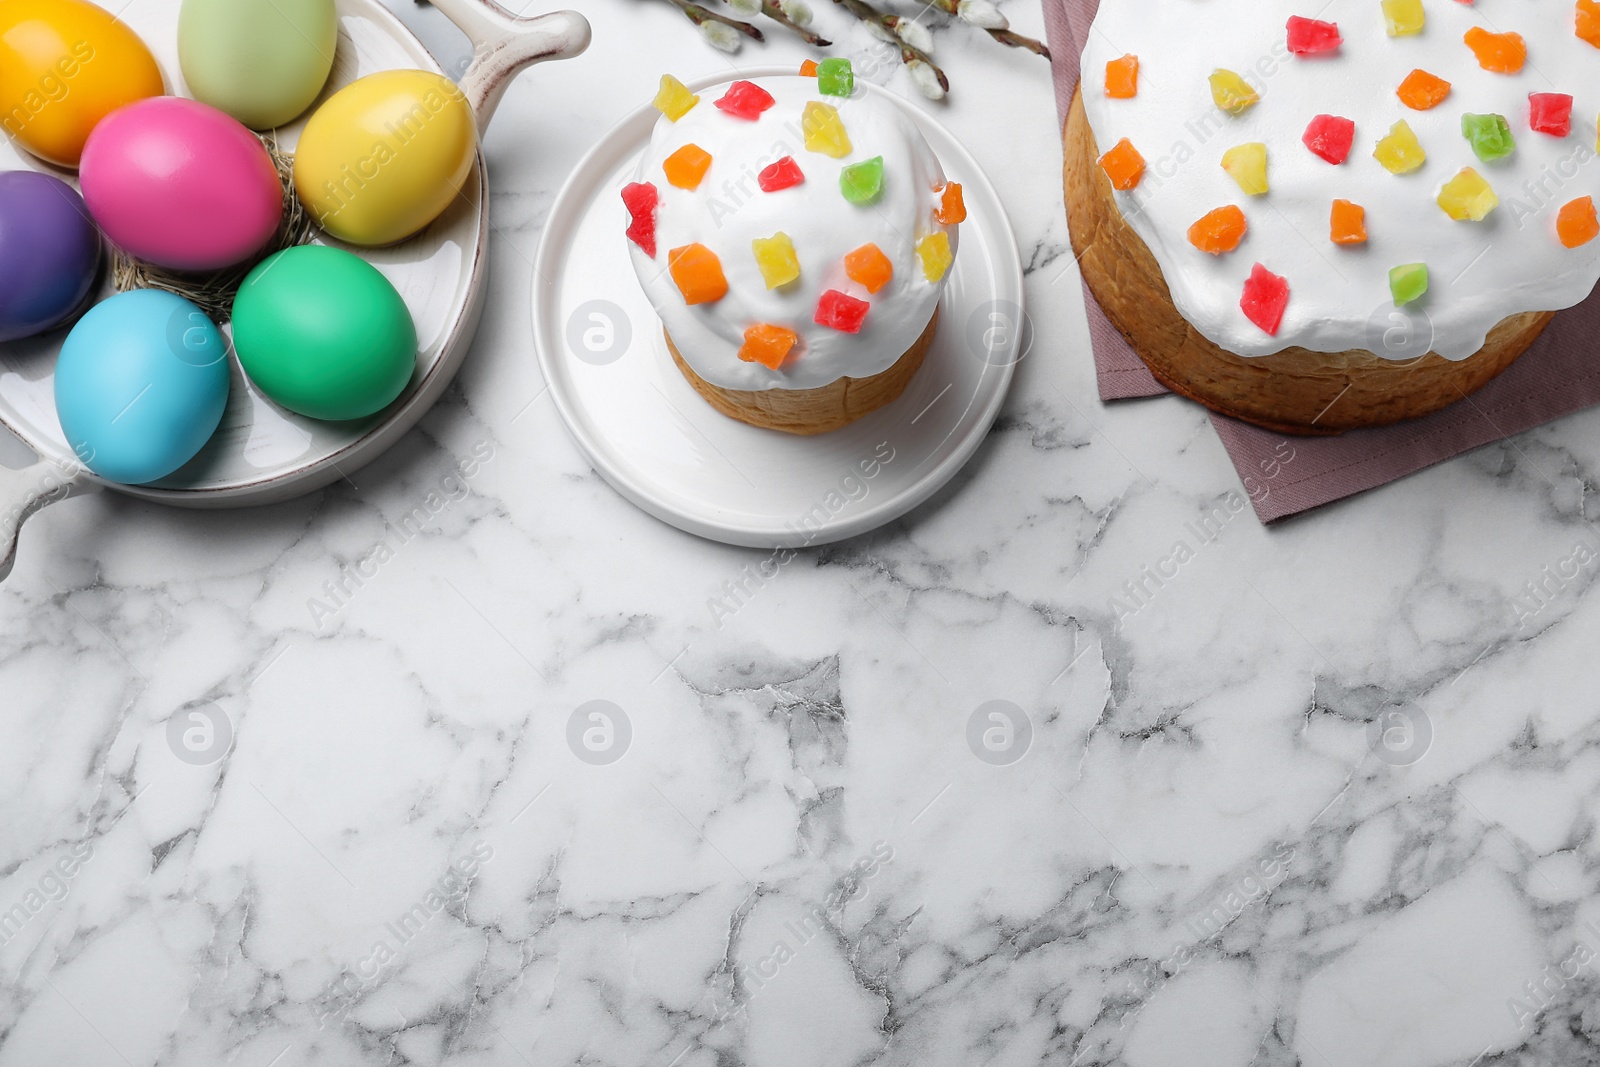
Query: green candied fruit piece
(835, 77)
(861, 183)
(1489, 135)
(1408, 282)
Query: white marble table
(388, 851)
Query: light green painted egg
(261, 61)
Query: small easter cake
(1317, 217)
(794, 234)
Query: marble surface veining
(1077, 764)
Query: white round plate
(665, 449)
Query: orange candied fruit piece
(1123, 165)
(1501, 53)
(808, 69)
(1588, 22)
(868, 266)
(698, 274)
(952, 209)
(1219, 231)
(1576, 223)
(1421, 90)
(1347, 223)
(1122, 77)
(768, 345)
(686, 168)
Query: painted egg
(64, 66)
(141, 385)
(384, 156)
(261, 61)
(49, 253)
(179, 184)
(323, 333)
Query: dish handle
(504, 45)
(25, 491)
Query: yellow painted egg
(261, 61)
(64, 66)
(384, 156)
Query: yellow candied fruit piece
(1399, 150)
(1247, 165)
(674, 100)
(776, 257)
(1468, 197)
(936, 256)
(824, 130)
(1232, 93)
(1403, 18)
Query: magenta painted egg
(180, 184)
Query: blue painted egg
(141, 385)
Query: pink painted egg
(180, 184)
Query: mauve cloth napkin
(1284, 476)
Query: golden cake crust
(1293, 391)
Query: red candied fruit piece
(1307, 37)
(783, 174)
(842, 312)
(1330, 137)
(745, 100)
(1550, 113)
(1265, 296)
(642, 199)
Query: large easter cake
(1327, 216)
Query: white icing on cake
(1339, 295)
(729, 211)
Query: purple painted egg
(49, 254)
(180, 184)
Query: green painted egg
(261, 61)
(323, 333)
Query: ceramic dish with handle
(262, 453)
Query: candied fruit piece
(1219, 230)
(1232, 93)
(768, 345)
(1403, 18)
(1489, 135)
(1499, 53)
(745, 100)
(1468, 197)
(1330, 137)
(824, 130)
(808, 69)
(952, 209)
(1122, 77)
(686, 168)
(862, 183)
(776, 257)
(1576, 223)
(1123, 165)
(641, 199)
(1421, 90)
(1309, 36)
(1587, 26)
(698, 274)
(1550, 113)
(674, 100)
(1399, 151)
(835, 77)
(1347, 223)
(868, 266)
(1265, 296)
(784, 174)
(842, 312)
(934, 250)
(1407, 282)
(1247, 165)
